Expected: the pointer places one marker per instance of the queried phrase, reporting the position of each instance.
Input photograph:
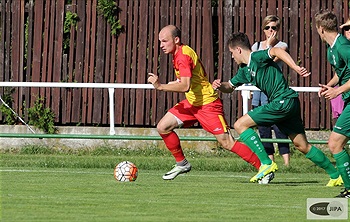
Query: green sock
(343, 164)
(252, 140)
(318, 157)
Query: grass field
(41, 186)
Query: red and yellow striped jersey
(187, 64)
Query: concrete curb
(6, 143)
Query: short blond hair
(327, 20)
(271, 18)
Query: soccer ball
(125, 171)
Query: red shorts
(210, 116)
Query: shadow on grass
(296, 183)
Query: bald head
(171, 30)
(169, 38)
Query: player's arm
(173, 82)
(286, 58)
(330, 93)
(334, 81)
(344, 88)
(175, 86)
(276, 59)
(224, 87)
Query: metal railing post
(245, 96)
(111, 111)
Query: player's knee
(161, 128)
(226, 144)
(164, 127)
(238, 126)
(304, 148)
(334, 147)
(226, 141)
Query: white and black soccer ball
(125, 171)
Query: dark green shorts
(342, 126)
(285, 114)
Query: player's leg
(337, 141)
(245, 153)
(274, 112)
(336, 145)
(251, 139)
(293, 126)
(228, 143)
(211, 117)
(264, 131)
(316, 156)
(165, 127)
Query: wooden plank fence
(31, 49)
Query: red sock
(172, 142)
(246, 154)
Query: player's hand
(153, 79)
(302, 71)
(327, 92)
(216, 84)
(322, 89)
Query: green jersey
(264, 73)
(338, 56)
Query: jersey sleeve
(240, 78)
(262, 56)
(345, 54)
(184, 65)
(269, 55)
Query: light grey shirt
(280, 44)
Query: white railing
(245, 91)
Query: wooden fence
(31, 49)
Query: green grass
(56, 186)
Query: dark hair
(238, 39)
(176, 32)
(327, 20)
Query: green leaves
(41, 117)
(10, 117)
(109, 10)
(70, 20)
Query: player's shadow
(295, 183)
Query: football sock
(252, 140)
(320, 159)
(172, 142)
(246, 154)
(342, 160)
(182, 163)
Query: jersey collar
(335, 40)
(250, 57)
